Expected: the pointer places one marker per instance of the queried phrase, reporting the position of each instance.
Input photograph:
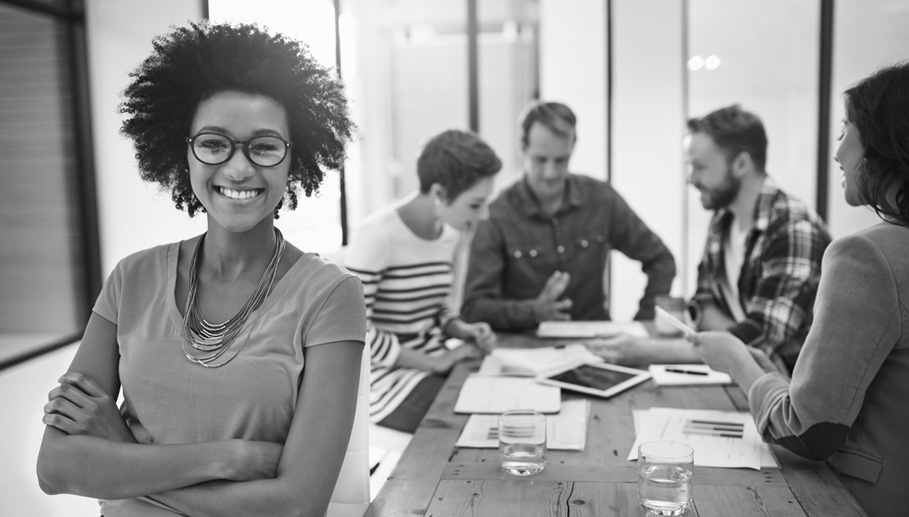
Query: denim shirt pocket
(525, 252)
(587, 247)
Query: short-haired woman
(406, 256)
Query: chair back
(351, 495)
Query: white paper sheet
(719, 438)
(534, 361)
(492, 394)
(662, 377)
(566, 430)
(590, 329)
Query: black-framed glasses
(215, 149)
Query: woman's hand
(721, 351)
(724, 352)
(444, 363)
(480, 334)
(79, 406)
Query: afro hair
(190, 64)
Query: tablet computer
(600, 379)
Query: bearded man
(759, 273)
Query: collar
(762, 207)
(529, 204)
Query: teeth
(238, 194)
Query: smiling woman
(237, 353)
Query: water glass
(674, 305)
(522, 441)
(665, 471)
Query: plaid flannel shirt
(779, 278)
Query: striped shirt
(778, 281)
(407, 284)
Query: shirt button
(517, 254)
(561, 249)
(584, 243)
(533, 253)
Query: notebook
(493, 394)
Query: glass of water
(522, 441)
(665, 470)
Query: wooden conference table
(436, 479)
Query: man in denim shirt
(542, 253)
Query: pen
(689, 372)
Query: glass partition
(866, 36)
(763, 55)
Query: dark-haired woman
(847, 399)
(237, 353)
(406, 256)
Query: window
(48, 249)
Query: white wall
(648, 125)
(573, 50)
(133, 215)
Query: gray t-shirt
(168, 399)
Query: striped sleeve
(367, 257)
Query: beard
(721, 195)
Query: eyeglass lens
(214, 149)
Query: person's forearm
(507, 315)
(650, 351)
(95, 467)
(414, 359)
(273, 497)
(746, 374)
(660, 273)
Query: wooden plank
(627, 473)
(816, 486)
(520, 497)
(742, 501)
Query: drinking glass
(673, 305)
(522, 441)
(665, 471)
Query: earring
(438, 201)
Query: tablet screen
(592, 377)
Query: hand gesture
(79, 406)
(480, 334)
(547, 306)
(721, 351)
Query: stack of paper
(719, 438)
(686, 375)
(590, 329)
(566, 430)
(490, 394)
(534, 361)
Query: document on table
(493, 394)
(566, 430)
(590, 329)
(533, 361)
(686, 375)
(719, 438)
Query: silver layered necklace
(213, 340)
